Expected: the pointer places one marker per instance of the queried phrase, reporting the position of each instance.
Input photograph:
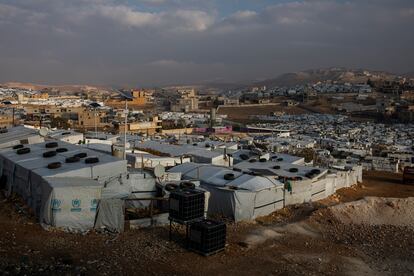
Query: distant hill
(62, 88)
(316, 75)
(409, 75)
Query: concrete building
(145, 127)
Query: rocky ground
(306, 239)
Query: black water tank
(207, 237)
(186, 204)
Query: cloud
(156, 41)
(129, 17)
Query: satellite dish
(43, 132)
(159, 170)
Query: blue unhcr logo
(94, 204)
(76, 203)
(56, 203)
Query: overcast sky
(157, 42)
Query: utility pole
(125, 127)
(96, 127)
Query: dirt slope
(299, 240)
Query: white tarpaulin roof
(19, 135)
(244, 198)
(214, 175)
(268, 168)
(175, 150)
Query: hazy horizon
(167, 42)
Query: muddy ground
(299, 240)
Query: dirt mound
(261, 235)
(376, 211)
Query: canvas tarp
(69, 203)
(141, 188)
(110, 215)
(243, 204)
(301, 192)
(243, 198)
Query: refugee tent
(234, 194)
(146, 160)
(69, 203)
(24, 174)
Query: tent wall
(221, 202)
(301, 192)
(268, 201)
(110, 215)
(244, 205)
(68, 206)
(318, 189)
(141, 188)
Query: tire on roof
(81, 155)
(229, 176)
(61, 150)
(51, 145)
(72, 159)
(49, 154)
(23, 151)
(91, 160)
(18, 146)
(54, 165)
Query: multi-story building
(187, 101)
(89, 118)
(145, 127)
(139, 98)
(34, 112)
(6, 120)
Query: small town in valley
(196, 167)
